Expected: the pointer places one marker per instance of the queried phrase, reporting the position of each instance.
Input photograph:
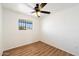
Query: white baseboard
(57, 46)
(21, 45)
(1, 52)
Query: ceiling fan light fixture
(39, 14)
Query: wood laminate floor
(36, 49)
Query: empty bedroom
(39, 29)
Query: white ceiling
(27, 8)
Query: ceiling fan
(38, 8)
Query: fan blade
(45, 12)
(42, 5)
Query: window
(25, 24)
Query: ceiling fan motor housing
(37, 9)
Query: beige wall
(62, 30)
(0, 29)
(14, 37)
